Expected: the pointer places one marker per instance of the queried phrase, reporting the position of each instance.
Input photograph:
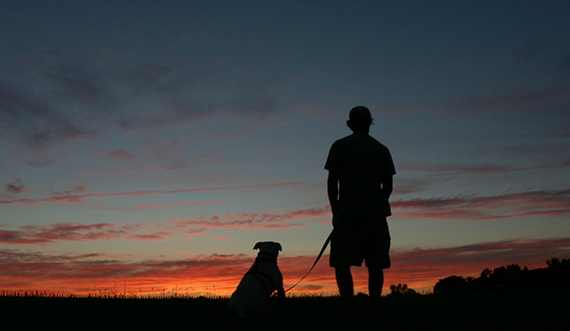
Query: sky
(148, 145)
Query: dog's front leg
(281, 294)
(279, 306)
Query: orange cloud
(220, 274)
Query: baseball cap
(360, 114)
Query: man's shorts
(354, 242)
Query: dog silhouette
(253, 293)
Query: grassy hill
(545, 310)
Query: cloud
(121, 154)
(466, 253)
(181, 204)
(60, 97)
(45, 235)
(122, 171)
(53, 234)
(91, 272)
(256, 221)
(429, 265)
(16, 104)
(76, 189)
(555, 203)
(48, 235)
(147, 78)
(34, 104)
(254, 97)
(77, 82)
(406, 185)
(220, 274)
(546, 150)
(554, 99)
(422, 268)
(16, 187)
(140, 170)
(60, 130)
(35, 119)
(460, 169)
(75, 198)
(483, 169)
(18, 256)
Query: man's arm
(387, 186)
(332, 190)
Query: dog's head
(268, 247)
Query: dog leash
(317, 260)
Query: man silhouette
(358, 186)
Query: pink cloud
(269, 220)
(74, 198)
(182, 204)
(16, 187)
(74, 190)
(479, 169)
(120, 171)
(121, 154)
(52, 234)
(545, 202)
(138, 170)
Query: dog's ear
(258, 245)
(278, 246)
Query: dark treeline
(510, 278)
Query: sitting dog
(252, 295)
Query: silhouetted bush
(511, 277)
(401, 290)
(451, 284)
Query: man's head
(359, 119)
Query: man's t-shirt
(361, 162)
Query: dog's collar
(266, 257)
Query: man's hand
(387, 186)
(332, 190)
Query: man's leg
(344, 281)
(375, 283)
(345, 287)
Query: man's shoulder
(360, 139)
(342, 142)
(344, 139)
